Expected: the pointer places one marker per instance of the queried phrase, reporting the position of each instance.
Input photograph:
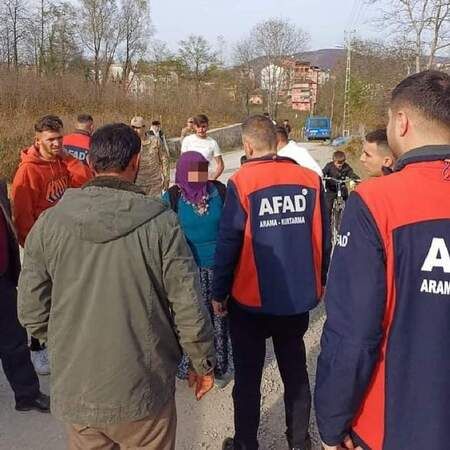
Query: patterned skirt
(221, 332)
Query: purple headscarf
(190, 161)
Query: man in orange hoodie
(45, 172)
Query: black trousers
(248, 337)
(14, 352)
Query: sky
(324, 20)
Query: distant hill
(325, 58)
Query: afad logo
(342, 240)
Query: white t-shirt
(301, 156)
(208, 146)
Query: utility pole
(346, 122)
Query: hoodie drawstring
(446, 170)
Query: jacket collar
(84, 132)
(270, 157)
(113, 183)
(422, 154)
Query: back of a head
(48, 123)
(427, 93)
(282, 136)
(260, 132)
(112, 148)
(379, 137)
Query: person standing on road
(377, 157)
(198, 204)
(287, 127)
(14, 352)
(270, 269)
(77, 144)
(44, 174)
(207, 146)
(188, 129)
(299, 154)
(154, 167)
(383, 372)
(114, 384)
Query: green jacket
(109, 282)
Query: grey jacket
(109, 281)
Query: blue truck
(317, 127)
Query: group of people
(130, 287)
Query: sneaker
(41, 404)
(223, 381)
(40, 361)
(228, 444)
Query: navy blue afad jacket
(384, 370)
(273, 245)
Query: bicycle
(338, 206)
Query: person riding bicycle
(339, 169)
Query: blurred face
(201, 129)
(156, 128)
(373, 159)
(140, 131)
(49, 143)
(198, 173)
(190, 123)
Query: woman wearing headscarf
(198, 203)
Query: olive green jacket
(108, 281)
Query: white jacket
(301, 156)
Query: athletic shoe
(41, 404)
(40, 361)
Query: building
(297, 81)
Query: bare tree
(101, 30)
(198, 58)
(137, 29)
(425, 23)
(15, 14)
(275, 40)
(439, 29)
(244, 56)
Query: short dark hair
(378, 136)
(428, 92)
(339, 155)
(113, 146)
(200, 118)
(48, 123)
(262, 132)
(84, 118)
(156, 122)
(282, 133)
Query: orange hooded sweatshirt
(39, 184)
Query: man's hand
(220, 308)
(203, 383)
(346, 445)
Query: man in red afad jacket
(78, 143)
(270, 267)
(383, 377)
(44, 174)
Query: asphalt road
(201, 425)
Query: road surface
(201, 425)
